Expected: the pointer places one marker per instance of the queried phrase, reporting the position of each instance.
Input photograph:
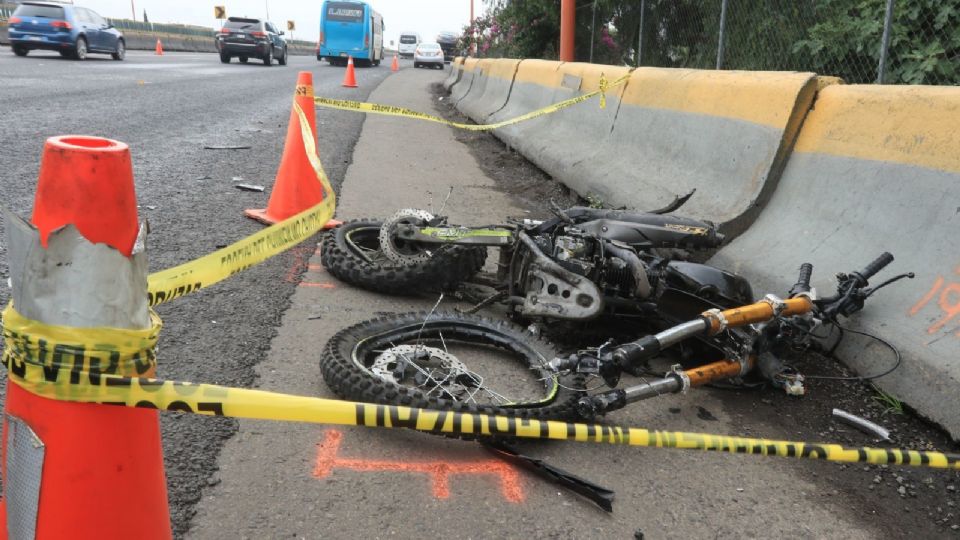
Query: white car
(428, 54)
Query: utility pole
(568, 20)
(133, 10)
(473, 33)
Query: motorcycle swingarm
(457, 235)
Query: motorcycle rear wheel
(351, 253)
(450, 361)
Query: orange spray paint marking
(299, 264)
(951, 309)
(318, 285)
(927, 297)
(439, 471)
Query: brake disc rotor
(428, 367)
(397, 249)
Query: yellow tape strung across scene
(166, 285)
(390, 110)
(112, 366)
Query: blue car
(72, 31)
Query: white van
(408, 44)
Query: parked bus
(350, 28)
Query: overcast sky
(428, 17)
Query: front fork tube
(677, 381)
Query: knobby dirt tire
(351, 381)
(448, 265)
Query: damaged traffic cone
(80, 470)
(350, 78)
(395, 66)
(159, 49)
(296, 187)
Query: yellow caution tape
(113, 366)
(390, 110)
(189, 277)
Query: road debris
(862, 424)
(250, 187)
(227, 147)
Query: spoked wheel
(352, 253)
(450, 361)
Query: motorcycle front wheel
(450, 361)
(351, 253)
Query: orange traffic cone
(159, 49)
(296, 187)
(93, 458)
(350, 78)
(396, 64)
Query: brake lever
(869, 292)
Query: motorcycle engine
(574, 251)
(581, 253)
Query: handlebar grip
(878, 264)
(803, 280)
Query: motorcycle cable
(890, 346)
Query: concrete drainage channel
(797, 167)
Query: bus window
(344, 12)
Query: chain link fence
(861, 41)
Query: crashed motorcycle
(581, 265)
(468, 363)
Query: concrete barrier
(560, 140)
(875, 168)
(725, 133)
(498, 80)
(533, 88)
(462, 87)
(481, 75)
(456, 69)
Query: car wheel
(283, 59)
(121, 51)
(243, 59)
(268, 59)
(415, 65)
(20, 51)
(225, 58)
(80, 49)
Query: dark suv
(251, 38)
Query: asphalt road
(167, 108)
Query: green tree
(831, 37)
